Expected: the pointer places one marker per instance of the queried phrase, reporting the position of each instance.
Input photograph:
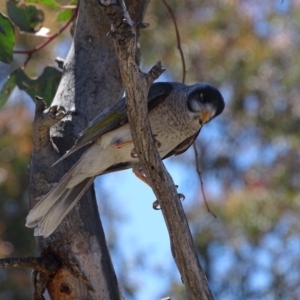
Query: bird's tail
(50, 211)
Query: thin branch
(201, 181)
(46, 264)
(183, 79)
(48, 40)
(178, 39)
(44, 268)
(40, 281)
(136, 85)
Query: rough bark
(91, 82)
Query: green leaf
(68, 2)
(44, 86)
(27, 18)
(2, 30)
(8, 88)
(49, 3)
(7, 39)
(64, 15)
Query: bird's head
(205, 102)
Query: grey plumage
(176, 113)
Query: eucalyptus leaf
(27, 18)
(49, 3)
(7, 39)
(64, 15)
(7, 88)
(44, 86)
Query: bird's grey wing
(158, 92)
(183, 146)
(116, 116)
(108, 120)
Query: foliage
(29, 19)
(15, 239)
(26, 17)
(7, 39)
(44, 85)
(251, 154)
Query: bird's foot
(118, 144)
(140, 174)
(157, 144)
(156, 205)
(133, 153)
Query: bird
(176, 113)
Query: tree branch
(198, 170)
(44, 268)
(136, 85)
(49, 38)
(44, 119)
(177, 38)
(45, 264)
(183, 80)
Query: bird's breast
(171, 127)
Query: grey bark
(91, 82)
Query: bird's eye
(201, 97)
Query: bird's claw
(155, 204)
(157, 144)
(133, 153)
(181, 197)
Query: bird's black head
(205, 102)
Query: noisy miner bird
(176, 114)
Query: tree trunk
(91, 82)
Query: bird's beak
(205, 115)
